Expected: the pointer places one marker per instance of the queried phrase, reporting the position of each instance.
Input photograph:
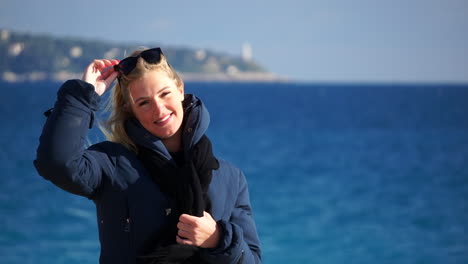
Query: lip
(163, 121)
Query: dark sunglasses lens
(152, 55)
(127, 65)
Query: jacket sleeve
(61, 155)
(240, 242)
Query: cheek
(143, 117)
(147, 118)
(179, 106)
(180, 94)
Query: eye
(142, 103)
(164, 94)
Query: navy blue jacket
(130, 207)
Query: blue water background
(338, 173)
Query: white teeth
(164, 119)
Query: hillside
(30, 57)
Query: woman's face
(157, 104)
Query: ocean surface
(338, 173)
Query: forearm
(61, 154)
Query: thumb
(208, 215)
(111, 78)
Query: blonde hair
(120, 98)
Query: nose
(158, 107)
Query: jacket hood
(195, 124)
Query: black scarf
(187, 185)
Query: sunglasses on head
(126, 65)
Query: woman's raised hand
(101, 74)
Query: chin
(165, 135)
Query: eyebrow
(145, 97)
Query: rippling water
(337, 173)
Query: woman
(161, 195)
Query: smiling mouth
(163, 120)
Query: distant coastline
(188, 77)
(27, 57)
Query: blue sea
(338, 173)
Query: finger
(182, 241)
(103, 64)
(98, 66)
(110, 63)
(184, 226)
(207, 215)
(107, 63)
(107, 71)
(99, 63)
(184, 234)
(188, 219)
(111, 78)
(104, 75)
(106, 66)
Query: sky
(304, 40)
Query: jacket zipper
(127, 230)
(127, 225)
(241, 259)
